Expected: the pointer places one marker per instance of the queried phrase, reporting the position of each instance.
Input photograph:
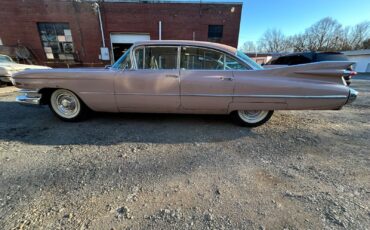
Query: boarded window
(57, 40)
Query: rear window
(291, 60)
(331, 57)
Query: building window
(57, 40)
(215, 32)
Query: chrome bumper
(28, 97)
(352, 96)
(5, 79)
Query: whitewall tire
(251, 118)
(67, 106)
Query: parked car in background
(308, 57)
(8, 67)
(187, 77)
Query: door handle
(227, 78)
(172, 75)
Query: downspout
(160, 30)
(97, 7)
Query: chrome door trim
(239, 95)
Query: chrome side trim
(23, 99)
(242, 95)
(27, 91)
(352, 96)
(296, 96)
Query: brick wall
(18, 23)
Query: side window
(233, 64)
(156, 57)
(139, 57)
(124, 62)
(199, 58)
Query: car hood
(35, 73)
(20, 67)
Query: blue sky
(293, 16)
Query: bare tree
(358, 34)
(325, 35)
(249, 46)
(298, 42)
(366, 44)
(273, 40)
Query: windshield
(248, 60)
(124, 61)
(5, 59)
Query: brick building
(68, 32)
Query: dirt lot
(302, 170)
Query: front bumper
(28, 97)
(5, 79)
(352, 96)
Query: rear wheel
(67, 106)
(251, 118)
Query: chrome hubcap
(65, 103)
(252, 116)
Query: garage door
(122, 42)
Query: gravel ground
(302, 170)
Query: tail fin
(324, 69)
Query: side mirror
(107, 66)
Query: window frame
(233, 56)
(134, 61)
(179, 47)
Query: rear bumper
(352, 96)
(28, 97)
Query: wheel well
(45, 95)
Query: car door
(152, 84)
(205, 84)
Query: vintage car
(8, 67)
(187, 77)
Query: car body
(308, 57)
(187, 77)
(8, 67)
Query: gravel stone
(301, 170)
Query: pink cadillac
(187, 77)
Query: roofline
(357, 52)
(211, 45)
(169, 2)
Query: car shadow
(39, 126)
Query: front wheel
(67, 106)
(251, 118)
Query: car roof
(305, 53)
(218, 46)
